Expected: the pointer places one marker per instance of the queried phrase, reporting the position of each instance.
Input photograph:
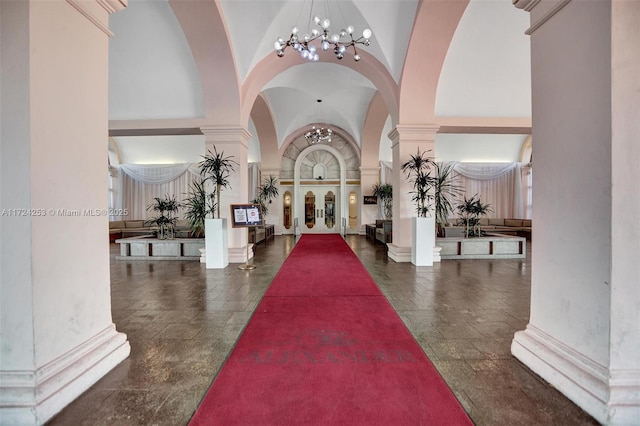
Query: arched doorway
(319, 187)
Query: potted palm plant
(418, 169)
(471, 209)
(446, 190)
(166, 209)
(384, 192)
(216, 169)
(198, 206)
(267, 191)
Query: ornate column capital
(369, 171)
(414, 132)
(226, 134)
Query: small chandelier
(309, 51)
(318, 135)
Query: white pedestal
(216, 243)
(423, 240)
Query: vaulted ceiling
(180, 64)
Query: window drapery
(139, 184)
(497, 184)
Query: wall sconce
(352, 199)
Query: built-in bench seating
(380, 231)
(258, 234)
(139, 228)
(517, 227)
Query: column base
(33, 397)
(436, 254)
(579, 378)
(403, 254)
(239, 254)
(624, 397)
(399, 254)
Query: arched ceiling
(293, 97)
(254, 26)
(158, 74)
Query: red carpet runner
(325, 347)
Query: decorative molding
(624, 396)
(156, 132)
(81, 7)
(369, 171)
(546, 15)
(113, 6)
(525, 4)
(581, 379)
(225, 134)
(413, 132)
(33, 397)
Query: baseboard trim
(33, 397)
(624, 397)
(581, 379)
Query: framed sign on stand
(246, 216)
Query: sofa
(518, 227)
(138, 228)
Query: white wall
(478, 148)
(160, 149)
(152, 72)
(487, 71)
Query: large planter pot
(423, 240)
(216, 243)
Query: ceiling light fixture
(304, 44)
(319, 134)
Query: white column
(57, 335)
(406, 140)
(233, 142)
(369, 176)
(584, 334)
(624, 350)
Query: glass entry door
(321, 209)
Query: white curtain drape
(154, 174)
(139, 184)
(497, 184)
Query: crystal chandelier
(308, 50)
(318, 134)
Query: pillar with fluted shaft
(406, 141)
(233, 142)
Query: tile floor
(182, 320)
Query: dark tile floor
(182, 320)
